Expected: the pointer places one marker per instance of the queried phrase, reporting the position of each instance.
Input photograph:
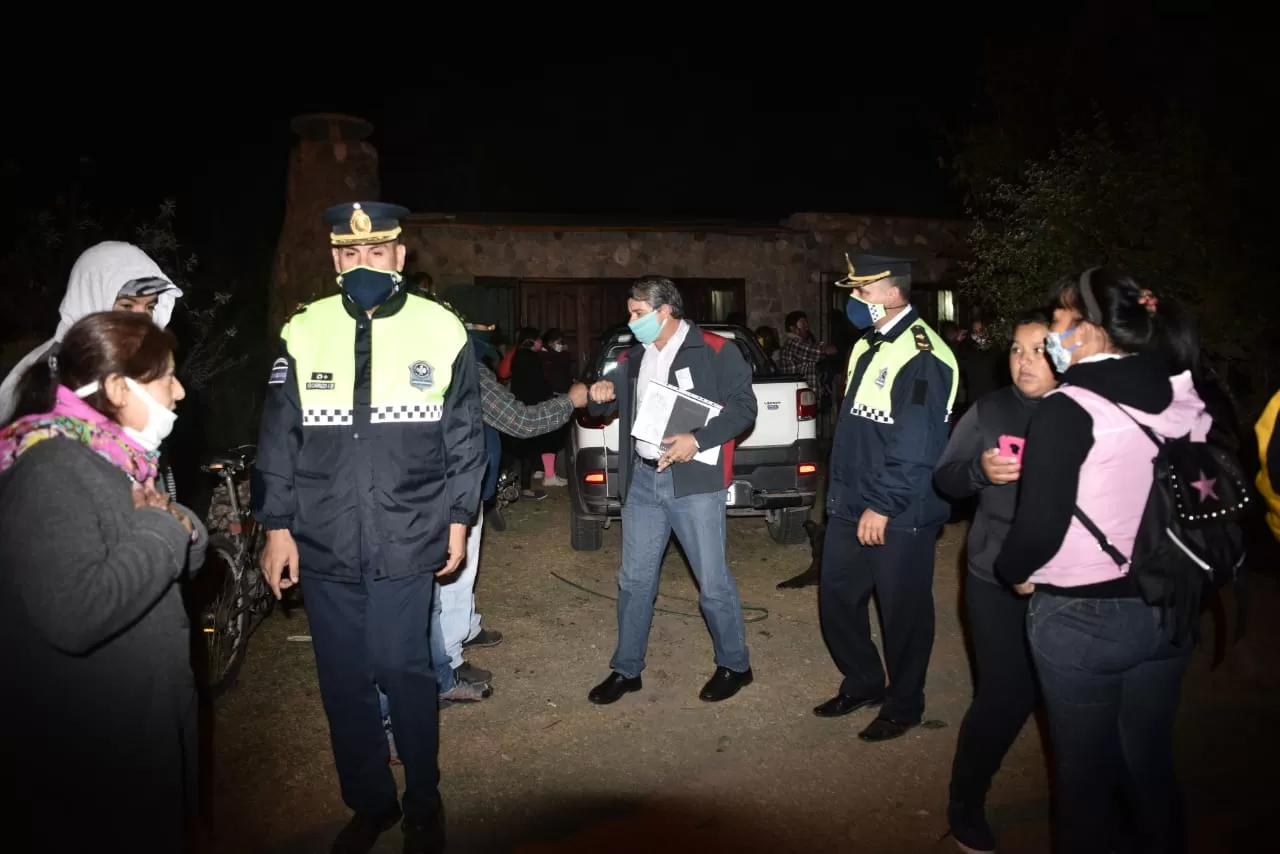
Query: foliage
(211, 348)
(43, 246)
(1147, 202)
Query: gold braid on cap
(362, 231)
(852, 280)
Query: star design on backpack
(1205, 487)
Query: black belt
(653, 464)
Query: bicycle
(232, 595)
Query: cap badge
(360, 222)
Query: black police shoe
(362, 832)
(424, 837)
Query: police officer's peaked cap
(865, 269)
(356, 223)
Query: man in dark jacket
(370, 464)
(665, 489)
(973, 464)
(883, 514)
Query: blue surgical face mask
(646, 328)
(1059, 354)
(367, 287)
(862, 313)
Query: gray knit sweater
(95, 661)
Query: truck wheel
(585, 535)
(786, 526)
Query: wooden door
(583, 309)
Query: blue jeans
(649, 516)
(1111, 677)
(445, 679)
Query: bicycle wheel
(226, 618)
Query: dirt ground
(536, 768)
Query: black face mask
(367, 287)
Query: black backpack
(1190, 540)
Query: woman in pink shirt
(1109, 666)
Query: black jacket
(884, 461)
(719, 373)
(373, 497)
(1004, 412)
(97, 643)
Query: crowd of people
(381, 437)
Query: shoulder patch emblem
(420, 375)
(279, 371)
(922, 338)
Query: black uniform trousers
(378, 630)
(900, 572)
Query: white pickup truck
(775, 463)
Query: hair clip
(53, 364)
(1148, 299)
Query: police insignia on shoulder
(922, 338)
(279, 371)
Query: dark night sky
(733, 128)
(671, 133)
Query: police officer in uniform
(370, 462)
(883, 513)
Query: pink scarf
(72, 418)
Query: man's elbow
(72, 636)
(526, 430)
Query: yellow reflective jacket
(1269, 457)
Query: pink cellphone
(1011, 446)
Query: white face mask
(160, 420)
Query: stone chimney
(332, 163)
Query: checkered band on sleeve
(406, 413)
(329, 417)
(880, 416)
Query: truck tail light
(806, 404)
(593, 477)
(807, 469)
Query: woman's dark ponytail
(38, 387)
(1137, 319)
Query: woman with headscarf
(110, 276)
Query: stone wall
(782, 266)
(331, 163)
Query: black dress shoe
(612, 689)
(969, 828)
(424, 837)
(362, 832)
(883, 729)
(808, 578)
(842, 704)
(724, 683)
